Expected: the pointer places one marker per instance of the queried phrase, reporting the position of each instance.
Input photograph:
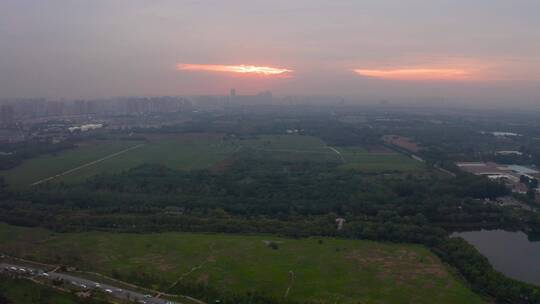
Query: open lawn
(291, 148)
(49, 165)
(194, 151)
(298, 143)
(21, 291)
(319, 269)
(297, 148)
(358, 158)
(178, 152)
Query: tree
(531, 194)
(533, 183)
(273, 245)
(4, 299)
(3, 188)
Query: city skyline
(476, 51)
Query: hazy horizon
(465, 51)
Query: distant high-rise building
(95, 107)
(232, 98)
(55, 108)
(7, 115)
(133, 106)
(78, 107)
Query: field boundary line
(195, 268)
(86, 165)
(186, 274)
(290, 150)
(3, 255)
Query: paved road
(84, 284)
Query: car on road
(108, 290)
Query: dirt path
(291, 281)
(338, 153)
(86, 165)
(195, 268)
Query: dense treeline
(450, 138)
(295, 199)
(271, 189)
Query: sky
(463, 50)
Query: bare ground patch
(222, 165)
(403, 266)
(379, 150)
(159, 261)
(203, 278)
(402, 142)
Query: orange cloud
(242, 69)
(416, 74)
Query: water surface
(509, 252)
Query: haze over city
(269, 151)
(472, 52)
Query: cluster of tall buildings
(7, 115)
(260, 98)
(13, 110)
(233, 99)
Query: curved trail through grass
(338, 153)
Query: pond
(511, 253)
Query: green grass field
(295, 147)
(47, 165)
(286, 143)
(291, 148)
(334, 271)
(360, 159)
(194, 151)
(20, 291)
(178, 152)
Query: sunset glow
(242, 69)
(416, 74)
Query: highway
(84, 284)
